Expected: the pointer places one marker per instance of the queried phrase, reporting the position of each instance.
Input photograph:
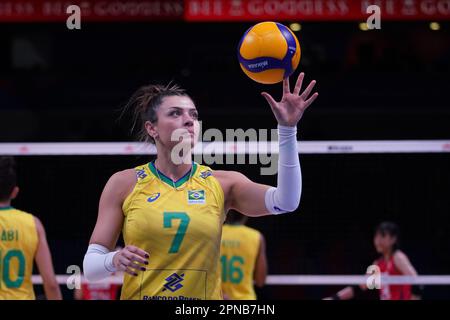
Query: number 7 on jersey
(179, 236)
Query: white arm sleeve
(286, 196)
(98, 263)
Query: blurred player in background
(392, 262)
(22, 240)
(104, 290)
(243, 258)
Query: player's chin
(194, 141)
(187, 141)
(190, 139)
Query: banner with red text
(314, 10)
(222, 10)
(90, 10)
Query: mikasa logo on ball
(258, 65)
(196, 197)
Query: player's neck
(387, 255)
(4, 204)
(164, 164)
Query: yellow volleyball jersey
(239, 250)
(180, 229)
(18, 244)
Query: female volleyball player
(243, 258)
(22, 241)
(171, 212)
(392, 262)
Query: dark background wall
(66, 85)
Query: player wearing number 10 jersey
(22, 240)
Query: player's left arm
(44, 263)
(242, 194)
(261, 263)
(405, 266)
(254, 199)
(77, 294)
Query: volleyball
(269, 52)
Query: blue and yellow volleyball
(269, 52)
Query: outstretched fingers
(298, 84)
(308, 90)
(311, 100)
(270, 100)
(286, 86)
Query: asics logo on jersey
(174, 282)
(153, 197)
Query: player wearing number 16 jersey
(243, 258)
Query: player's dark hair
(234, 217)
(8, 177)
(389, 228)
(145, 102)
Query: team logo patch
(205, 174)
(141, 174)
(196, 196)
(174, 282)
(153, 197)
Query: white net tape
(241, 147)
(290, 280)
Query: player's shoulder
(208, 177)
(18, 212)
(248, 231)
(203, 171)
(27, 219)
(22, 214)
(253, 231)
(207, 174)
(399, 256)
(121, 183)
(228, 174)
(122, 177)
(228, 178)
(39, 226)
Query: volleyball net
(243, 147)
